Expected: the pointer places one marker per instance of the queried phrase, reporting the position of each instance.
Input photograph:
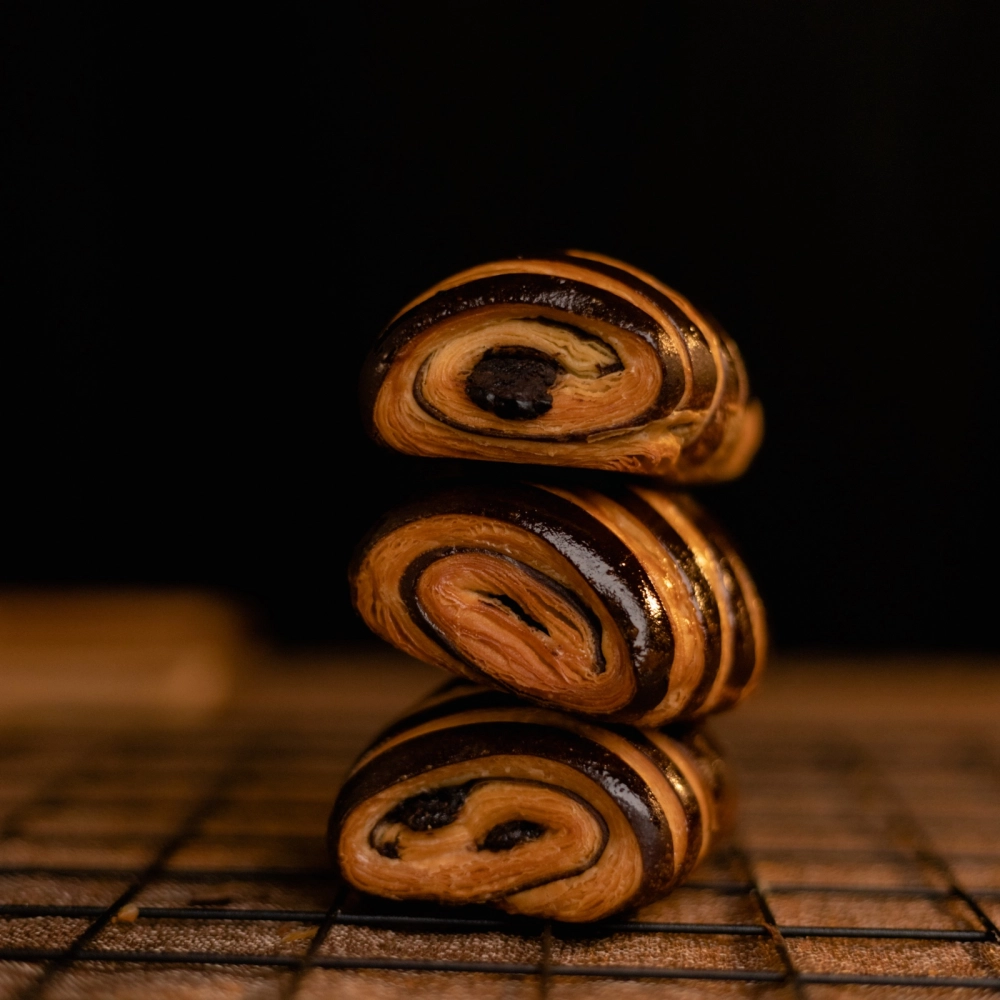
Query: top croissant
(571, 359)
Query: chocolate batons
(477, 798)
(570, 359)
(625, 604)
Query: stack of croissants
(590, 619)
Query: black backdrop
(212, 217)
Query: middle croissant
(626, 604)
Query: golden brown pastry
(626, 604)
(571, 359)
(478, 798)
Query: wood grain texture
(867, 790)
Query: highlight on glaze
(625, 604)
(478, 798)
(571, 359)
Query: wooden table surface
(154, 857)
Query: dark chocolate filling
(513, 383)
(512, 605)
(430, 810)
(504, 836)
(388, 849)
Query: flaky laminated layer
(477, 798)
(573, 360)
(625, 605)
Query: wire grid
(191, 863)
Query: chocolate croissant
(626, 605)
(572, 359)
(478, 798)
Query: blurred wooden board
(163, 653)
(867, 861)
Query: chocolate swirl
(625, 604)
(478, 798)
(572, 359)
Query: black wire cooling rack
(191, 863)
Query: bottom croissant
(478, 798)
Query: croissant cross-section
(477, 798)
(570, 359)
(626, 604)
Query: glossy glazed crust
(662, 390)
(625, 604)
(649, 797)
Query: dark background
(208, 221)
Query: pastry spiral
(626, 604)
(572, 359)
(477, 798)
